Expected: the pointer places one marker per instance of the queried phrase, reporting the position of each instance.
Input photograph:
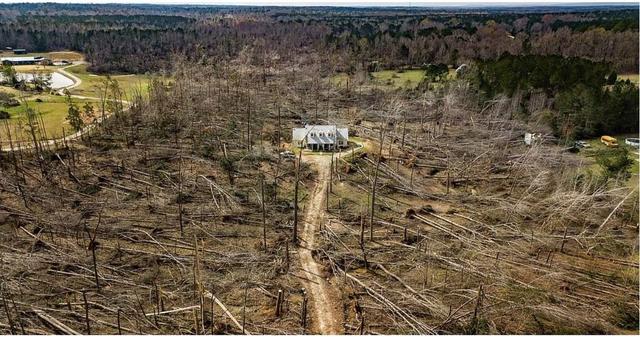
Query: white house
(320, 137)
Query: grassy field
(408, 79)
(633, 154)
(10, 90)
(35, 68)
(53, 110)
(391, 79)
(635, 78)
(91, 82)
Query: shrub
(614, 162)
(4, 115)
(8, 100)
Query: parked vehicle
(635, 142)
(530, 138)
(582, 144)
(288, 155)
(609, 141)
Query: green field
(633, 154)
(408, 79)
(91, 83)
(391, 79)
(10, 90)
(53, 110)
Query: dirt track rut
(326, 310)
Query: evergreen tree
(73, 113)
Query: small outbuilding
(320, 137)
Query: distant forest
(142, 38)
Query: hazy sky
(333, 2)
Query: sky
(338, 2)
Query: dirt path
(326, 307)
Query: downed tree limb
(27, 330)
(439, 307)
(210, 296)
(38, 239)
(414, 323)
(613, 211)
(57, 325)
(172, 311)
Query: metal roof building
(17, 60)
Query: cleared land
(389, 79)
(53, 110)
(407, 79)
(54, 56)
(597, 145)
(91, 83)
(35, 68)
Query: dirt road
(326, 308)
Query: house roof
(312, 133)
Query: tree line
(146, 38)
(588, 98)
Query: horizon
(332, 3)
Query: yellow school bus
(609, 141)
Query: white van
(635, 142)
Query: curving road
(76, 82)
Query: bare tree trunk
(404, 128)
(249, 124)
(331, 173)
(294, 238)
(375, 183)
(86, 312)
(264, 215)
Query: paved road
(76, 80)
